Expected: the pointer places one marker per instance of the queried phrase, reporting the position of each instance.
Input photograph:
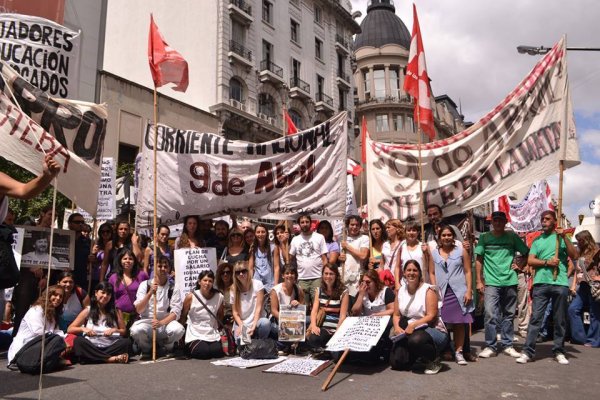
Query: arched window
(236, 90)
(297, 118)
(266, 105)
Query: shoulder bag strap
(207, 309)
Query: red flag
(353, 167)
(504, 206)
(291, 127)
(363, 133)
(417, 81)
(166, 64)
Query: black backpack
(28, 359)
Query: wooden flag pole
(344, 237)
(561, 170)
(421, 216)
(154, 216)
(335, 369)
(283, 118)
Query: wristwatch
(545, 263)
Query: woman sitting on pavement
(33, 324)
(126, 281)
(248, 305)
(419, 331)
(452, 266)
(332, 297)
(287, 293)
(103, 330)
(202, 338)
(74, 300)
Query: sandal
(122, 358)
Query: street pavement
(495, 378)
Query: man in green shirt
(497, 281)
(546, 288)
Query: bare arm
(344, 308)
(76, 327)
(25, 191)
(274, 304)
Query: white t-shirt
(284, 299)
(200, 324)
(164, 305)
(390, 255)
(248, 302)
(308, 251)
(352, 265)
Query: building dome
(382, 26)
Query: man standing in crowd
(221, 232)
(436, 218)
(355, 253)
(548, 289)
(82, 250)
(168, 311)
(310, 251)
(497, 281)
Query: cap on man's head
(498, 215)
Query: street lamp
(533, 51)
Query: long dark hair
(202, 275)
(110, 312)
(381, 226)
(100, 242)
(184, 239)
(219, 279)
(115, 238)
(338, 286)
(267, 247)
(119, 268)
(329, 237)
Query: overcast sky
(470, 46)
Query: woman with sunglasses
(248, 301)
(102, 330)
(162, 245)
(224, 283)
(235, 250)
(452, 265)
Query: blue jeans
(545, 331)
(500, 306)
(582, 301)
(542, 295)
(261, 331)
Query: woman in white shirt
(103, 330)
(33, 324)
(248, 300)
(202, 338)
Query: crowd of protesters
(427, 287)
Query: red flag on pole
(166, 64)
(353, 167)
(417, 80)
(504, 206)
(363, 135)
(291, 127)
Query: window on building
(320, 86)
(318, 15)
(236, 90)
(398, 126)
(295, 68)
(394, 80)
(410, 124)
(266, 105)
(382, 124)
(267, 52)
(238, 32)
(318, 49)
(267, 11)
(295, 31)
(343, 94)
(367, 83)
(379, 83)
(296, 118)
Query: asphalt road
(495, 378)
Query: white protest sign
(300, 366)
(43, 52)
(207, 174)
(188, 265)
(107, 207)
(358, 333)
(519, 142)
(239, 362)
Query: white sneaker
(561, 359)
(510, 351)
(523, 359)
(460, 359)
(487, 353)
(433, 368)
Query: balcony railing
(240, 50)
(404, 98)
(341, 74)
(341, 40)
(242, 5)
(271, 66)
(325, 99)
(299, 83)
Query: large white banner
(525, 215)
(209, 175)
(73, 132)
(519, 142)
(45, 53)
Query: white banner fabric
(72, 132)
(209, 175)
(519, 142)
(525, 215)
(43, 52)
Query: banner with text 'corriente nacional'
(519, 142)
(209, 175)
